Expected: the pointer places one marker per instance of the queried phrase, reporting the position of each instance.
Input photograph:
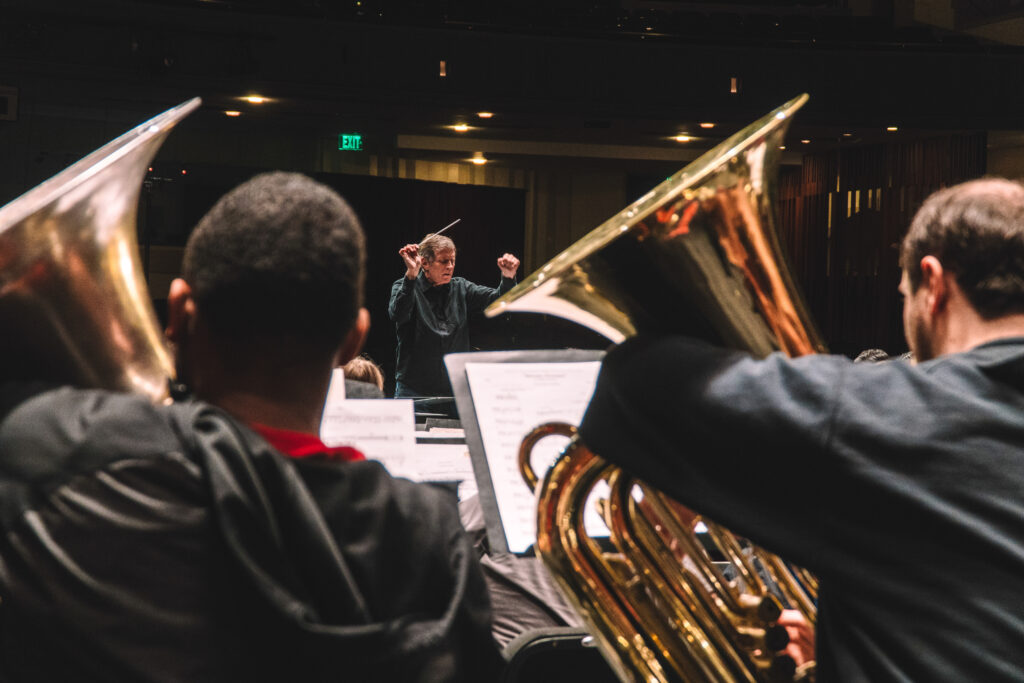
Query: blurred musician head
(270, 300)
(362, 369)
(963, 268)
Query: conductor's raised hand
(508, 265)
(410, 254)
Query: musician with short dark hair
(172, 543)
(430, 309)
(901, 485)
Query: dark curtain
(393, 212)
(842, 215)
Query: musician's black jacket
(901, 486)
(431, 322)
(146, 543)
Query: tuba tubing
(697, 255)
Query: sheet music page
(336, 389)
(446, 462)
(383, 430)
(510, 400)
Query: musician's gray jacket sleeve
(722, 431)
(899, 485)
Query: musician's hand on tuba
(801, 636)
(410, 254)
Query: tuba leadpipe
(696, 255)
(74, 306)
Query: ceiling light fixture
(485, 114)
(479, 159)
(805, 141)
(460, 127)
(707, 124)
(256, 99)
(892, 129)
(682, 138)
(232, 112)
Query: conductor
(430, 307)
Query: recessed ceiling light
(256, 99)
(682, 138)
(847, 135)
(479, 159)
(782, 147)
(805, 141)
(707, 124)
(460, 127)
(892, 129)
(485, 114)
(232, 112)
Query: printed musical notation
(510, 400)
(385, 430)
(382, 430)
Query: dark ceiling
(628, 73)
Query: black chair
(555, 655)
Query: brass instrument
(74, 307)
(698, 254)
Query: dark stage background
(393, 212)
(842, 215)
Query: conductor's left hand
(508, 265)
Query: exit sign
(350, 142)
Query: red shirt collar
(300, 445)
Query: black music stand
(456, 364)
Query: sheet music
(511, 399)
(336, 389)
(446, 462)
(383, 430)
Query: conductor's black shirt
(431, 322)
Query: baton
(445, 227)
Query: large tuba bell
(74, 307)
(698, 254)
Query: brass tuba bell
(74, 307)
(698, 254)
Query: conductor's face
(440, 270)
